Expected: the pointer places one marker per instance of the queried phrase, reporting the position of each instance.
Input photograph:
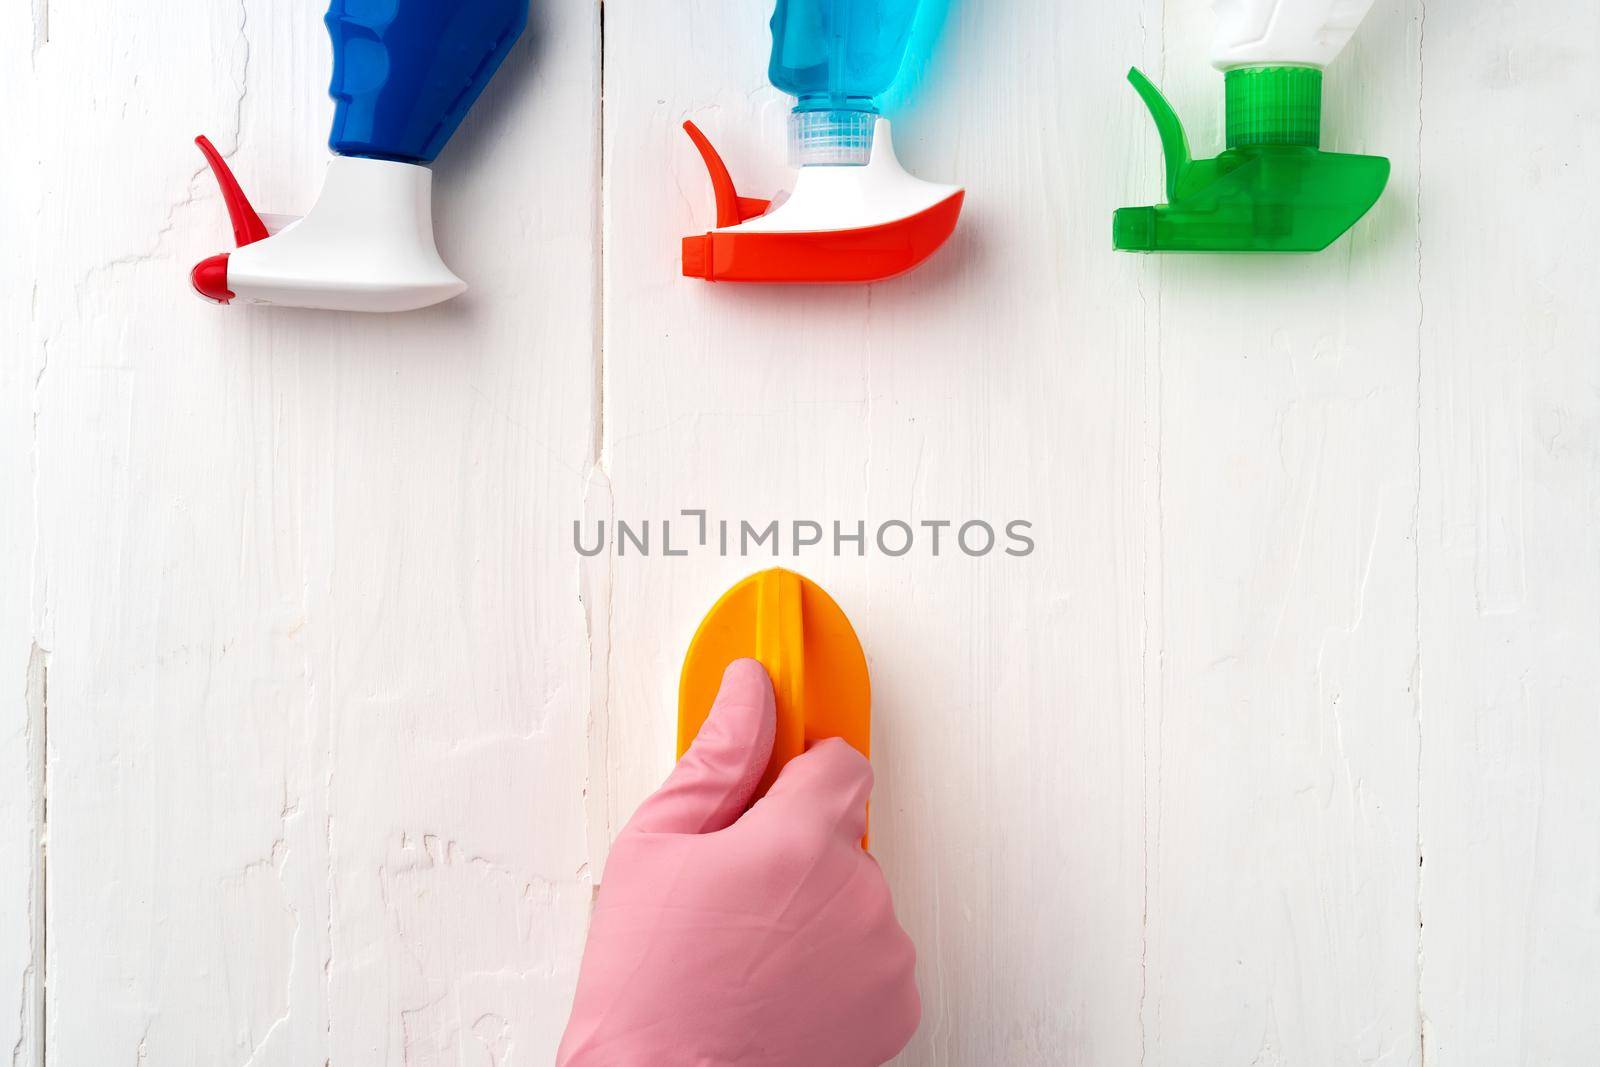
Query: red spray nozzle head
(210, 279)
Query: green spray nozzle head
(1271, 190)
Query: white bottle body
(1289, 33)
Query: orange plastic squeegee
(800, 636)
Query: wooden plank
(1283, 791)
(318, 670)
(1510, 532)
(23, 659)
(1006, 379)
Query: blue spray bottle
(405, 73)
(855, 214)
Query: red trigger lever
(247, 225)
(210, 276)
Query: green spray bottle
(1272, 189)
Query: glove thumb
(715, 780)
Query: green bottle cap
(1274, 105)
(1273, 190)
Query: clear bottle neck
(831, 136)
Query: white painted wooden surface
(1509, 533)
(314, 728)
(317, 663)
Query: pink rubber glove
(763, 938)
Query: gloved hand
(762, 938)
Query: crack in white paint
(1153, 557)
(594, 586)
(276, 859)
(24, 1014)
(141, 1052)
(244, 74)
(154, 252)
(1416, 538)
(41, 27)
(156, 249)
(31, 1010)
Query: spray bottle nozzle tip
(210, 279)
(1133, 229)
(697, 257)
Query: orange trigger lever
(732, 208)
